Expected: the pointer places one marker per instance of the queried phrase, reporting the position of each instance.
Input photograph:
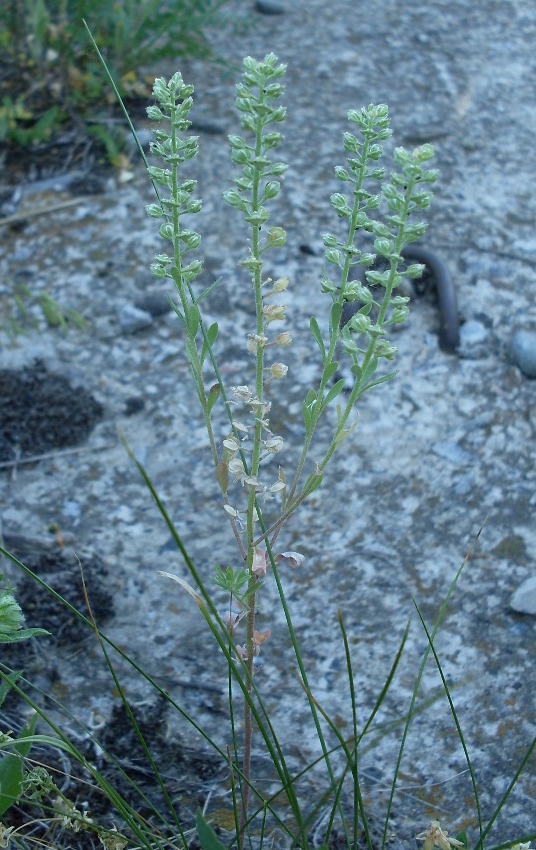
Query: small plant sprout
(246, 457)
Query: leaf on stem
(315, 330)
(187, 587)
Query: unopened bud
(280, 285)
(283, 339)
(278, 370)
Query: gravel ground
(445, 447)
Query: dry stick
(52, 455)
(18, 217)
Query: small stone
(205, 125)
(523, 601)
(523, 352)
(267, 7)
(132, 319)
(473, 333)
(134, 404)
(155, 303)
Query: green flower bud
(340, 205)
(155, 114)
(415, 270)
(158, 270)
(399, 315)
(326, 285)
(351, 144)
(154, 210)
(360, 323)
(380, 230)
(355, 291)
(166, 231)
(329, 240)
(342, 173)
(276, 237)
(385, 349)
(271, 190)
(384, 247)
(333, 256)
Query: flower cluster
(174, 100)
(237, 442)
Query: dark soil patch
(120, 757)
(63, 573)
(41, 411)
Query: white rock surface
(524, 599)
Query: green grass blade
(411, 711)
(503, 799)
(458, 726)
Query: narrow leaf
(213, 396)
(333, 393)
(335, 319)
(329, 371)
(315, 330)
(193, 320)
(381, 380)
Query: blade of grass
(131, 717)
(517, 774)
(457, 722)
(411, 711)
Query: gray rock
(523, 352)
(267, 7)
(155, 303)
(472, 333)
(523, 601)
(132, 319)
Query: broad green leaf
(12, 767)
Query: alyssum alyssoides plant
(244, 462)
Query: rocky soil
(444, 448)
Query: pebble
(266, 7)
(472, 333)
(523, 601)
(132, 319)
(155, 303)
(523, 352)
